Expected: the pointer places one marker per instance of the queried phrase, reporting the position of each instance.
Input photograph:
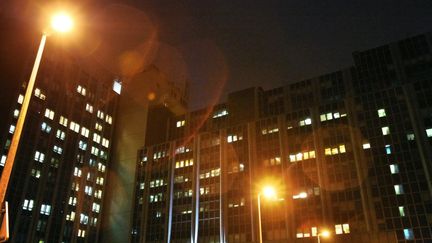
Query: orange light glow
(325, 234)
(61, 22)
(269, 192)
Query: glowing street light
(324, 233)
(301, 195)
(268, 192)
(59, 23)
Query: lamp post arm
(7, 170)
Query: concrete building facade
(348, 151)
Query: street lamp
(60, 22)
(270, 193)
(324, 233)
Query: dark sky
(223, 46)
(271, 43)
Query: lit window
(39, 156)
(388, 149)
(117, 86)
(49, 114)
(85, 132)
(394, 168)
(366, 146)
(77, 172)
(95, 151)
(81, 233)
(35, 173)
(429, 132)
(83, 219)
(408, 234)
(11, 129)
(60, 134)
(302, 156)
(233, 138)
(71, 216)
(385, 130)
(98, 194)
(38, 93)
(410, 136)
(96, 138)
(3, 160)
(342, 229)
(89, 108)
(101, 167)
(96, 208)
(323, 117)
(402, 211)
(92, 162)
(180, 123)
(20, 99)
(108, 119)
(381, 113)
(74, 126)
(100, 114)
(45, 209)
(72, 201)
(81, 90)
(98, 127)
(398, 189)
(75, 186)
(241, 167)
(100, 180)
(220, 113)
(305, 122)
(63, 121)
(338, 229)
(57, 149)
(105, 142)
(45, 127)
(346, 228)
(335, 150)
(28, 204)
(88, 190)
(16, 113)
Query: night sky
(223, 46)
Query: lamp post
(324, 233)
(59, 23)
(268, 192)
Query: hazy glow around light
(269, 192)
(325, 233)
(61, 22)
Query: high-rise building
(348, 151)
(63, 168)
(145, 90)
(58, 180)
